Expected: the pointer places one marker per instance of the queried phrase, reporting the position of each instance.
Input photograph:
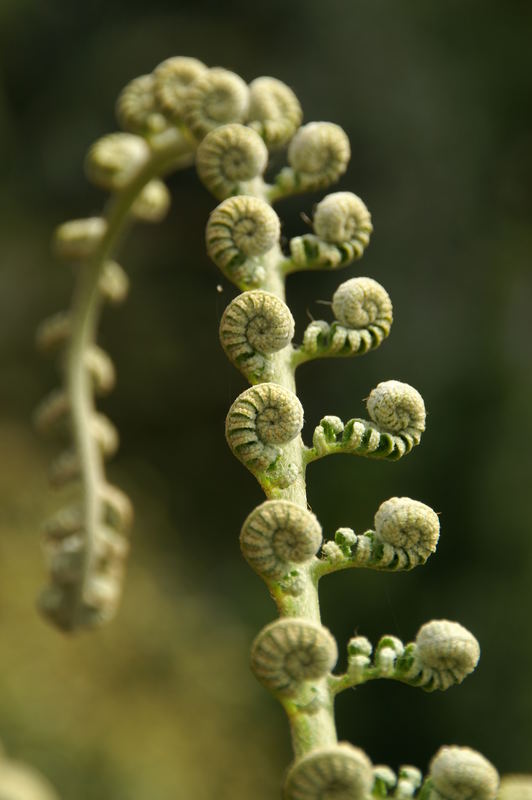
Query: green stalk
(310, 729)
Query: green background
(436, 99)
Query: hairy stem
(312, 724)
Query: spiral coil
(289, 652)
(260, 421)
(277, 535)
(342, 772)
(364, 316)
(239, 232)
(254, 326)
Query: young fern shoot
(186, 113)
(294, 656)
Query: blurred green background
(436, 99)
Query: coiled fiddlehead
(255, 325)
(216, 97)
(229, 157)
(397, 421)
(239, 232)
(360, 303)
(173, 80)
(363, 310)
(459, 773)
(398, 408)
(406, 534)
(342, 230)
(443, 654)
(408, 525)
(278, 534)
(274, 111)
(343, 217)
(318, 155)
(260, 421)
(289, 652)
(138, 109)
(343, 772)
(113, 160)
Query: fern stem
(173, 153)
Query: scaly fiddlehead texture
(254, 326)
(277, 535)
(181, 112)
(294, 656)
(215, 98)
(318, 155)
(260, 421)
(229, 157)
(241, 231)
(459, 773)
(290, 652)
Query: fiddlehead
(343, 772)
(260, 421)
(406, 534)
(363, 311)
(343, 217)
(293, 656)
(173, 79)
(289, 652)
(342, 230)
(408, 525)
(397, 415)
(274, 111)
(277, 535)
(443, 654)
(216, 97)
(318, 155)
(138, 109)
(229, 157)
(254, 326)
(459, 773)
(113, 160)
(240, 231)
